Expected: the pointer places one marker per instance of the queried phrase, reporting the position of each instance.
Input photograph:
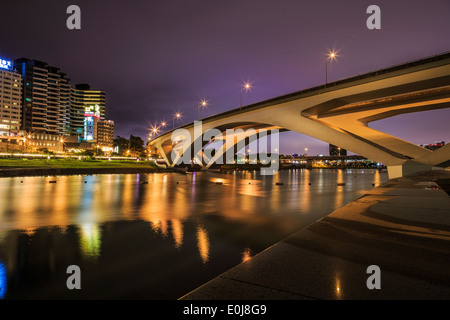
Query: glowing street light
(203, 104)
(62, 143)
(175, 116)
(331, 56)
(246, 86)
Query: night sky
(156, 57)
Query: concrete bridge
(338, 113)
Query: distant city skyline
(155, 58)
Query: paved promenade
(402, 226)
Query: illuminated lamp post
(175, 116)
(203, 104)
(246, 86)
(331, 56)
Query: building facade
(45, 97)
(10, 100)
(40, 109)
(337, 151)
(82, 99)
(105, 135)
(44, 141)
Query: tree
(136, 144)
(122, 143)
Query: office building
(337, 151)
(45, 97)
(84, 98)
(10, 100)
(105, 135)
(434, 146)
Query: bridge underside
(338, 114)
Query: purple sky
(156, 57)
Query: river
(154, 236)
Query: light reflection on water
(154, 236)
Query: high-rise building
(337, 151)
(105, 134)
(38, 99)
(45, 96)
(91, 119)
(84, 98)
(434, 146)
(10, 100)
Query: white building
(10, 101)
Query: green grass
(73, 163)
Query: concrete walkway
(402, 226)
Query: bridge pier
(408, 167)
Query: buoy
(52, 182)
(279, 183)
(341, 184)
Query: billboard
(5, 64)
(91, 117)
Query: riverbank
(51, 167)
(401, 229)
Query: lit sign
(91, 116)
(89, 128)
(92, 111)
(5, 64)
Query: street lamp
(246, 86)
(175, 116)
(28, 141)
(331, 56)
(203, 104)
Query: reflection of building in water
(90, 240)
(177, 231)
(338, 292)
(3, 280)
(203, 244)
(246, 255)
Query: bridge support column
(408, 167)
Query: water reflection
(150, 229)
(203, 244)
(246, 255)
(90, 240)
(3, 280)
(177, 230)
